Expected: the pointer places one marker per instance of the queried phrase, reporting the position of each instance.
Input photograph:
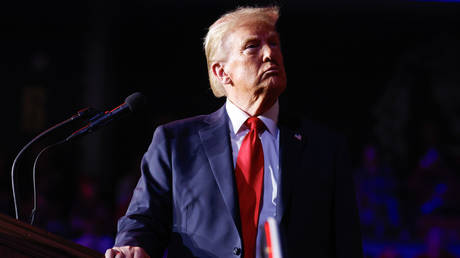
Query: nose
(267, 53)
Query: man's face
(254, 62)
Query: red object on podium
(272, 242)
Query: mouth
(271, 71)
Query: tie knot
(255, 123)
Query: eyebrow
(251, 38)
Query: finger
(120, 255)
(110, 253)
(140, 253)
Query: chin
(271, 91)
(273, 85)
(276, 86)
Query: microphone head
(136, 101)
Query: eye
(273, 43)
(251, 46)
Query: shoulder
(191, 125)
(314, 133)
(300, 123)
(321, 132)
(325, 141)
(187, 124)
(327, 145)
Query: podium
(18, 239)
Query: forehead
(252, 29)
(245, 31)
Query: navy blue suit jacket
(186, 199)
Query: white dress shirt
(270, 145)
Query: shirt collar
(238, 117)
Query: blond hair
(220, 29)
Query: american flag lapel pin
(298, 136)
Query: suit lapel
(292, 142)
(216, 141)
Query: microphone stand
(97, 120)
(80, 114)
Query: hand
(126, 252)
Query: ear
(219, 71)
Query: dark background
(385, 74)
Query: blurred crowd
(407, 183)
(417, 217)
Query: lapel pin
(298, 136)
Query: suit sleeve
(147, 222)
(347, 226)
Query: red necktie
(249, 174)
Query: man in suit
(208, 183)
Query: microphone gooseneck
(97, 120)
(34, 181)
(82, 114)
(132, 103)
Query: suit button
(236, 251)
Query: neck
(255, 107)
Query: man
(209, 183)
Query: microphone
(133, 102)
